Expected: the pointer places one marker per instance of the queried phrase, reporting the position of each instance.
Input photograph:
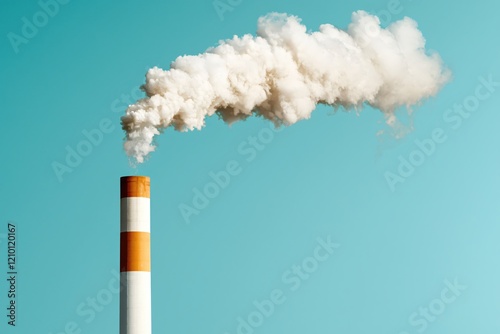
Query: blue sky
(413, 256)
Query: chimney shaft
(135, 261)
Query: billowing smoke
(283, 73)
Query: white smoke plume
(283, 73)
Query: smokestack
(135, 261)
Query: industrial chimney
(135, 260)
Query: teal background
(321, 177)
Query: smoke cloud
(283, 73)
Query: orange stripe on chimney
(134, 186)
(135, 251)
